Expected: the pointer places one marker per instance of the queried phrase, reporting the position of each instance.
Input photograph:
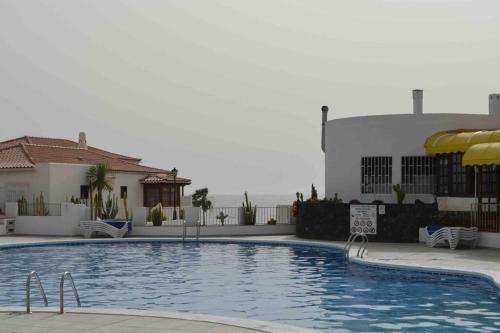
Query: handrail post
(61, 291)
(28, 290)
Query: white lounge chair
(89, 227)
(191, 219)
(452, 236)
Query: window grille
(417, 174)
(376, 174)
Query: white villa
(57, 167)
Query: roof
(26, 152)
(61, 143)
(458, 141)
(15, 158)
(165, 179)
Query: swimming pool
(307, 286)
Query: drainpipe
(324, 110)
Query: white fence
(230, 215)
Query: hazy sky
(230, 92)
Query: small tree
(200, 199)
(98, 179)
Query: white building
(366, 156)
(57, 169)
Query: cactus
(222, 217)
(39, 208)
(157, 215)
(110, 207)
(22, 206)
(400, 194)
(249, 214)
(125, 206)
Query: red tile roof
(14, 157)
(61, 143)
(25, 153)
(165, 179)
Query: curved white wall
(349, 139)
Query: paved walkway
(94, 323)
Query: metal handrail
(61, 291)
(361, 250)
(28, 290)
(184, 231)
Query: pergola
(163, 188)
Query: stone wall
(329, 221)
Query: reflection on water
(297, 285)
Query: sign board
(364, 219)
(381, 209)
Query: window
(376, 174)
(442, 175)
(151, 195)
(417, 174)
(488, 180)
(84, 192)
(123, 192)
(453, 178)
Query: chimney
(418, 96)
(494, 102)
(324, 110)
(82, 140)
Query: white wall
(349, 139)
(214, 231)
(35, 180)
(64, 225)
(59, 181)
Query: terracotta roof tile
(61, 143)
(14, 157)
(53, 154)
(27, 151)
(162, 178)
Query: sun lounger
(451, 236)
(115, 231)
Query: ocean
(261, 200)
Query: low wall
(64, 225)
(486, 239)
(214, 231)
(329, 221)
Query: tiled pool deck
(483, 261)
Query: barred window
(417, 174)
(488, 180)
(453, 178)
(376, 174)
(443, 173)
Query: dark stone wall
(329, 221)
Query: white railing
(486, 217)
(233, 215)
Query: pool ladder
(42, 291)
(362, 248)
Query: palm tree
(200, 200)
(97, 177)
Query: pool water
(304, 286)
